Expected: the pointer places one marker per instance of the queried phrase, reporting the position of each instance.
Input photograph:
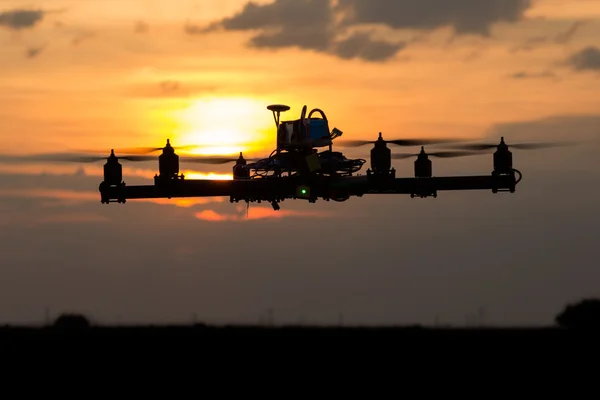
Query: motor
(239, 169)
(113, 178)
(168, 162)
(503, 161)
(381, 157)
(113, 170)
(423, 166)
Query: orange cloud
(185, 202)
(207, 175)
(210, 215)
(256, 213)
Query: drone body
(296, 169)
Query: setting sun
(226, 125)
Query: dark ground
(327, 350)
(233, 331)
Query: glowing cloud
(185, 202)
(210, 215)
(257, 213)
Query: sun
(226, 125)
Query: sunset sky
(102, 74)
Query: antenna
(277, 109)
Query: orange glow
(210, 215)
(185, 202)
(209, 175)
(256, 213)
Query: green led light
(303, 191)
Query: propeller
(135, 154)
(147, 150)
(82, 158)
(211, 159)
(440, 154)
(65, 157)
(398, 142)
(520, 146)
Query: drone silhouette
(300, 168)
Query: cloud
(530, 44)
(332, 29)
(186, 202)
(21, 19)
(561, 38)
(360, 45)
(465, 16)
(566, 36)
(317, 30)
(533, 75)
(256, 213)
(558, 127)
(33, 52)
(587, 59)
(581, 131)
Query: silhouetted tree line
(582, 315)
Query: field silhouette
(581, 316)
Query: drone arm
(267, 189)
(444, 183)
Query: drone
(304, 166)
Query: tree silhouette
(72, 321)
(584, 314)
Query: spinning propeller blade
(520, 146)
(146, 150)
(65, 157)
(398, 142)
(440, 154)
(143, 150)
(135, 154)
(210, 159)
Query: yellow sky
(97, 83)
